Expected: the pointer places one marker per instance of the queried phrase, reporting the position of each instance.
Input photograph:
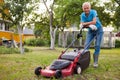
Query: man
(89, 19)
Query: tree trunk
(52, 37)
(64, 39)
(52, 31)
(60, 39)
(110, 40)
(52, 40)
(20, 35)
(52, 34)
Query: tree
(52, 30)
(18, 9)
(117, 18)
(68, 13)
(117, 1)
(41, 28)
(104, 17)
(117, 15)
(112, 8)
(4, 12)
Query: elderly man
(89, 19)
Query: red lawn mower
(68, 63)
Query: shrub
(39, 42)
(117, 43)
(5, 50)
(27, 50)
(35, 42)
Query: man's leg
(97, 48)
(89, 37)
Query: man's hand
(84, 24)
(81, 26)
(79, 35)
(93, 27)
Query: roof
(28, 31)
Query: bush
(5, 50)
(30, 42)
(35, 42)
(27, 50)
(39, 42)
(117, 43)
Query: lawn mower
(68, 63)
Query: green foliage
(72, 11)
(36, 42)
(5, 50)
(27, 50)
(114, 8)
(117, 17)
(30, 42)
(117, 43)
(117, 1)
(37, 32)
(104, 17)
(41, 29)
(68, 12)
(40, 42)
(19, 11)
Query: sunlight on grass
(21, 67)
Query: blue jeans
(90, 36)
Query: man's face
(86, 9)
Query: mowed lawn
(21, 66)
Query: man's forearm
(88, 23)
(93, 22)
(85, 24)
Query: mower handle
(78, 36)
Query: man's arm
(86, 24)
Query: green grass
(21, 67)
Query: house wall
(27, 36)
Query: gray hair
(86, 3)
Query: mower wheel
(58, 74)
(37, 71)
(78, 69)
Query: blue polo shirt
(92, 14)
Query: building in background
(7, 37)
(28, 32)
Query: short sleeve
(94, 13)
(82, 18)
